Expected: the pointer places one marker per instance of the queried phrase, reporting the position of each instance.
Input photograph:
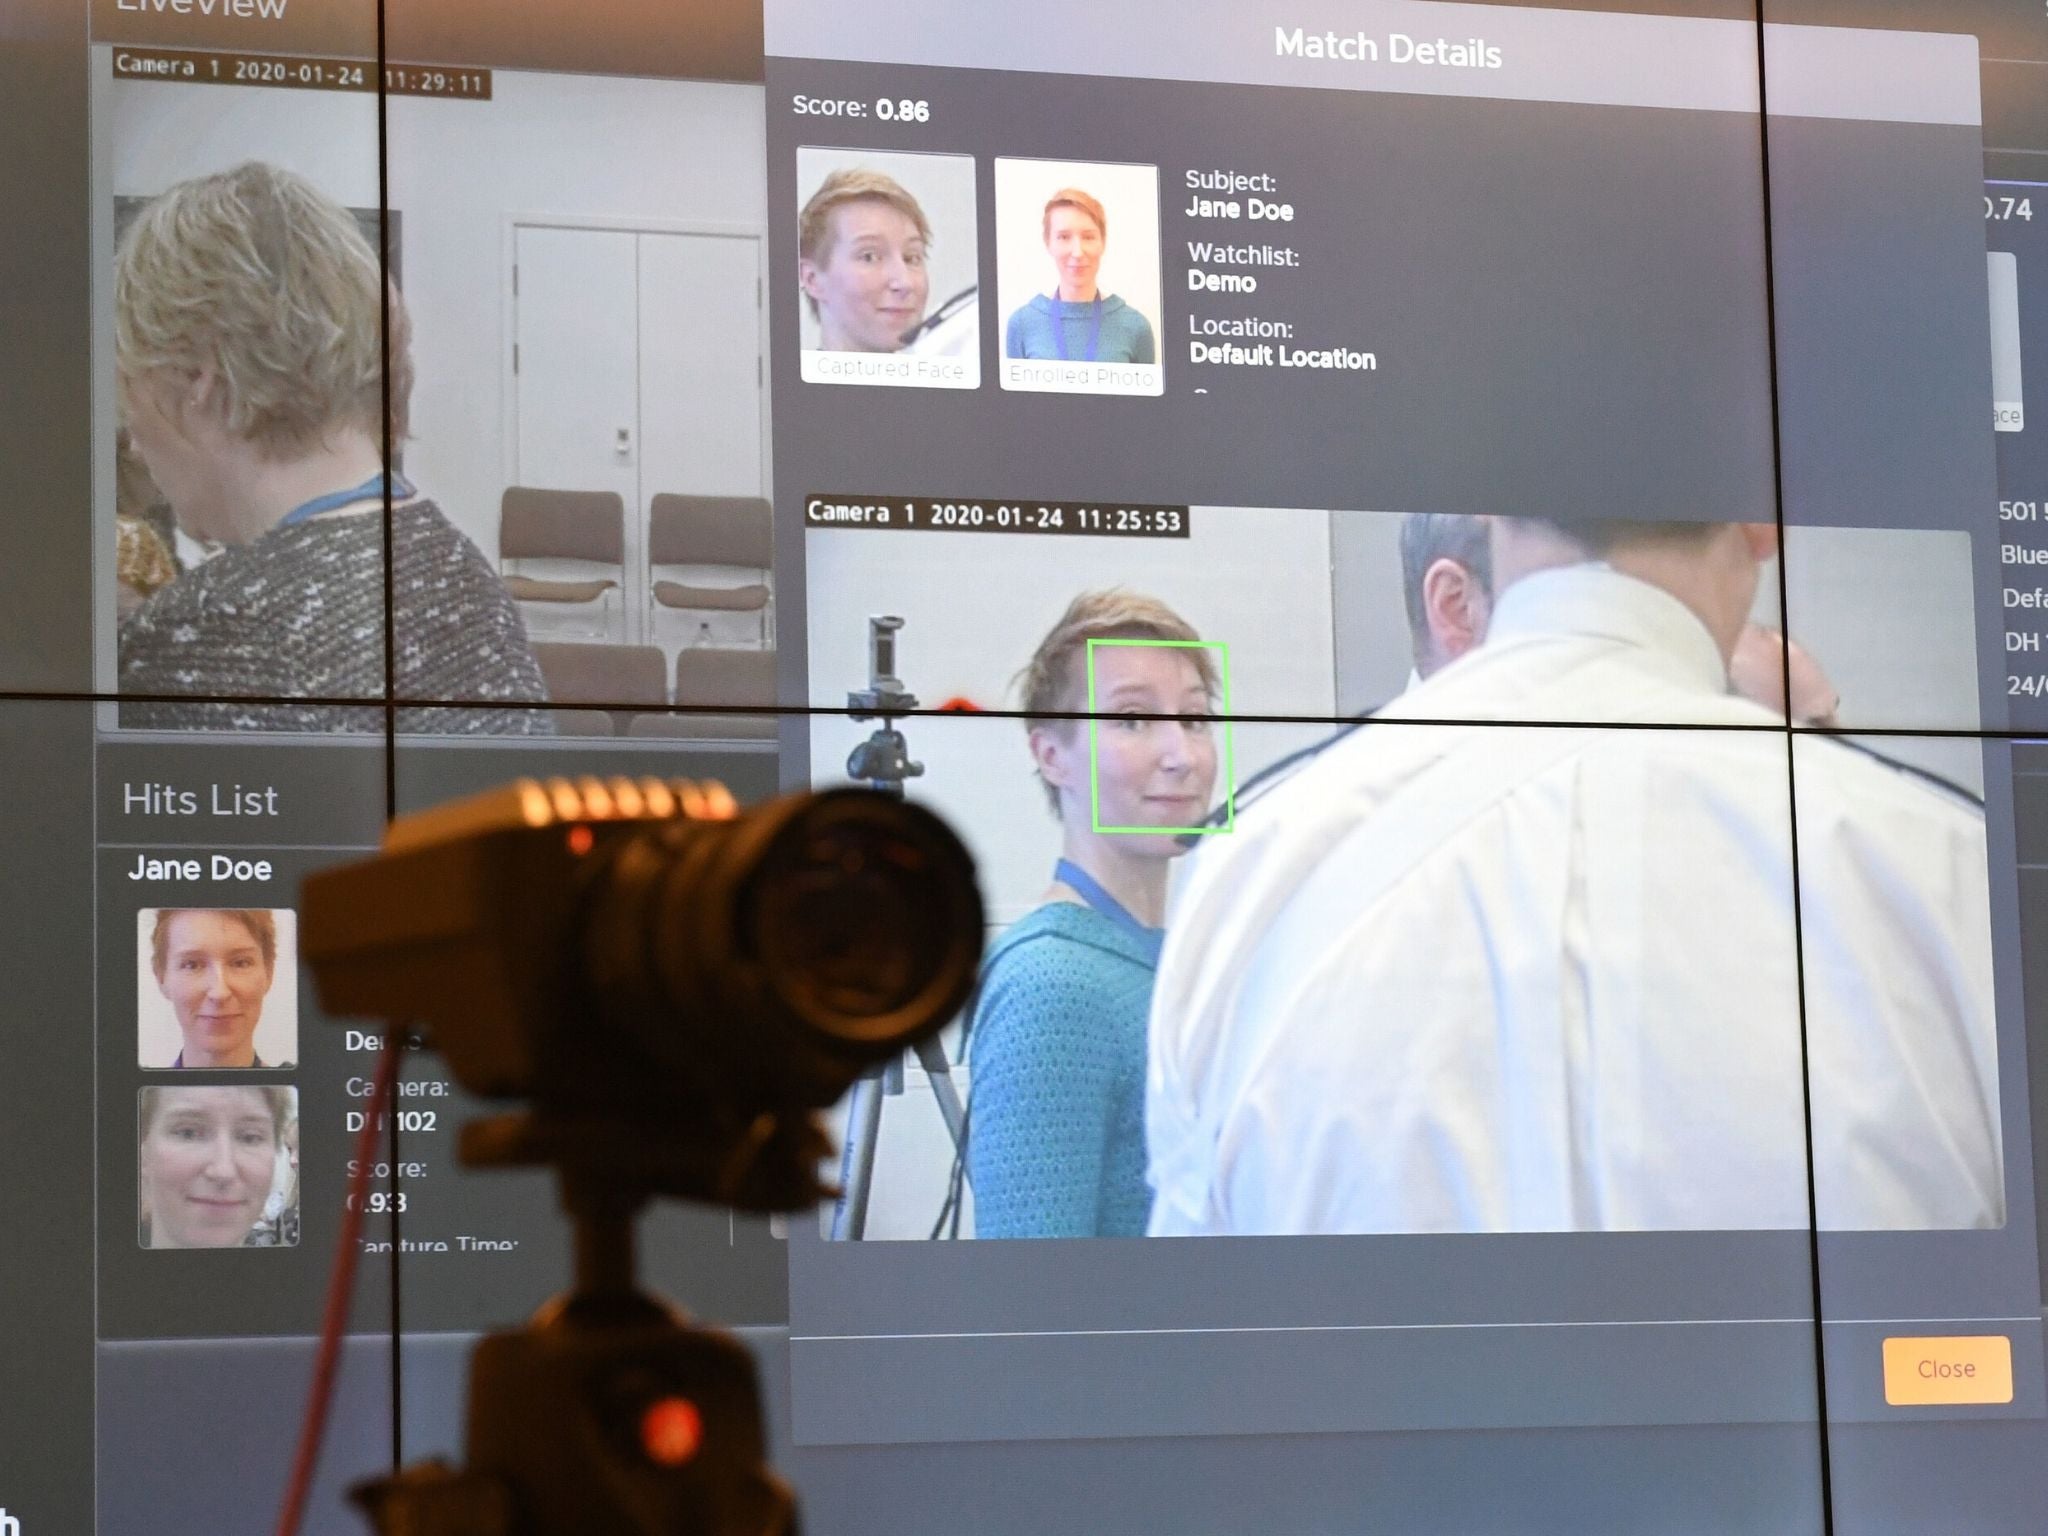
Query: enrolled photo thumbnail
(1077, 276)
(887, 255)
(216, 988)
(217, 1166)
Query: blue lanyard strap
(1059, 327)
(371, 489)
(1090, 890)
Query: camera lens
(797, 945)
(863, 914)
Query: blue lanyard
(1086, 887)
(371, 489)
(1059, 328)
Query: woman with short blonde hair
(259, 279)
(1056, 1144)
(252, 330)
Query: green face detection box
(1226, 766)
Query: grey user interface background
(1699, 1480)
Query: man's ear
(1448, 593)
(1761, 540)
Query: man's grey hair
(1427, 537)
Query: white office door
(700, 365)
(576, 367)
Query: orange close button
(1961, 1368)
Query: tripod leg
(857, 1159)
(931, 1055)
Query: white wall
(641, 152)
(1888, 614)
(1375, 651)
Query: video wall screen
(1463, 570)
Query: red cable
(341, 1282)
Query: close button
(1959, 1368)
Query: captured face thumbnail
(1077, 276)
(216, 987)
(887, 256)
(1473, 911)
(218, 1167)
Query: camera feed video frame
(587, 562)
(1410, 569)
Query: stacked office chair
(618, 679)
(728, 677)
(586, 527)
(728, 533)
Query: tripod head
(883, 761)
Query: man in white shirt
(1481, 978)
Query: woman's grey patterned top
(299, 613)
